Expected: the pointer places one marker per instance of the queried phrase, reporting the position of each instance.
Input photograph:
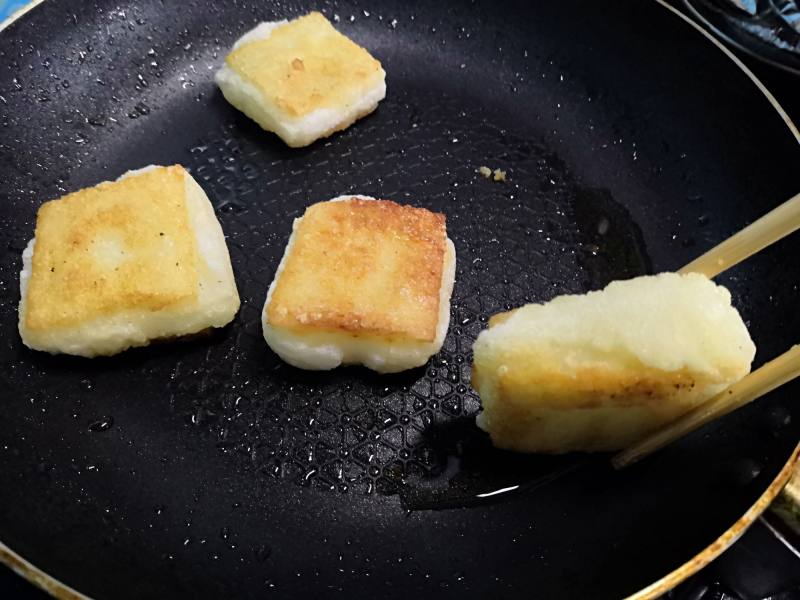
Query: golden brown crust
(591, 409)
(369, 267)
(593, 387)
(305, 65)
(117, 246)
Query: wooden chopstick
(761, 381)
(776, 224)
(770, 228)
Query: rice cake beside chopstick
(597, 372)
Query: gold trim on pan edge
(49, 584)
(792, 489)
(663, 585)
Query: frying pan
(209, 468)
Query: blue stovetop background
(9, 6)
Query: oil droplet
(262, 552)
(102, 424)
(745, 471)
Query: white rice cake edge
(328, 350)
(295, 131)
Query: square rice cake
(125, 262)
(301, 79)
(362, 281)
(597, 372)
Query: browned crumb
(495, 174)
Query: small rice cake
(125, 262)
(362, 281)
(599, 371)
(301, 79)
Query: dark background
(757, 567)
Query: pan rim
(738, 62)
(19, 13)
(724, 541)
(62, 591)
(36, 576)
(741, 46)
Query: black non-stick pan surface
(210, 469)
